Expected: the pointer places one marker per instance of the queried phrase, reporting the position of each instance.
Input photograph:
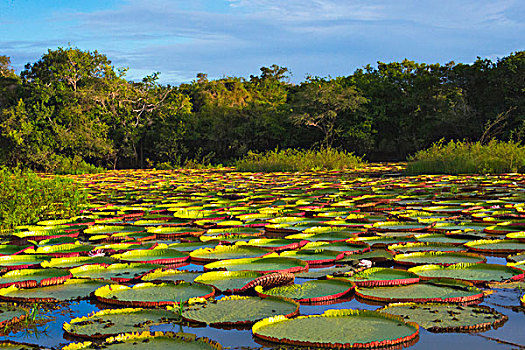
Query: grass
(25, 198)
(460, 157)
(299, 160)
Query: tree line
(74, 107)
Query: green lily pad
(239, 310)
(310, 291)
(380, 276)
(173, 232)
(340, 329)
(321, 273)
(227, 252)
(34, 277)
(439, 290)
(496, 246)
(76, 261)
(111, 229)
(150, 340)
(114, 272)
(11, 314)
(379, 255)
(11, 249)
(438, 258)
(158, 255)
(276, 244)
(263, 265)
(347, 247)
(170, 275)
(312, 256)
(14, 262)
(405, 226)
(448, 317)
(105, 323)
(191, 246)
(152, 295)
(475, 273)
(441, 238)
(72, 289)
(228, 281)
(426, 247)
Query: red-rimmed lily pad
(157, 255)
(438, 258)
(310, 291)
(347, 247)
(441, 238)
(342, 329)
(439, 290)
(21, 261)
(426, 247)
(312, 256)
(448, 317)
(227, 252)
(380, 276)
(276, 244)
(114, 272)
(228, 281)
(34, 277)
(174, 232)
(239, 310)
(62, 250)
(105, 323)
(264, 265)
(475, 273)
(403, 226)
(152, 295)
(170, 275)
(496, 246)
(71, 289)
(76, 261)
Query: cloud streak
(319, 37)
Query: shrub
(298, 160)
(460, 157)
(25, 197)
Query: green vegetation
(25, 197)
(298, 160)
(72, 111)
(469, 158)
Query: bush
(460, 157)
(26, 198)
(298, 160)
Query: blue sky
(181, 38)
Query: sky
(180, 38)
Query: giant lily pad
(149, 340)
(441, 238)
(228, 281)
(441, 290)
(76, 261)
(438, 258)
(496, 245)
(276, 244)
(152, 295)
(105, 323)
(170, 275)
(347, 247)
(338, 329)
(475, 273)
(158, 255)
(448, 317)
(426, 247)
(11, 314)
(227, 252)
(239, 310)
(310, 291)
(62, 250)
(114, 272)
(173, 232)
(34, 277)
(379, 276)
(14, 262)
(266, 264)
(72, 289)
(312, 256)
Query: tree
(321, 103)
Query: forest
(72, 109)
